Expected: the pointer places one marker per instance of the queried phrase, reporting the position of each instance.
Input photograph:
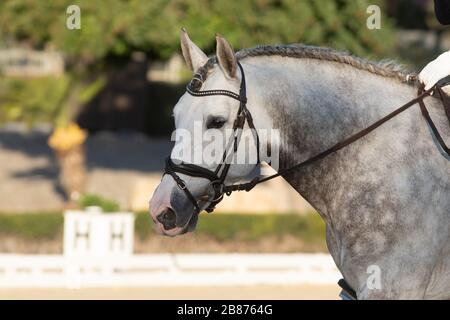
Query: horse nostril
(167, 218)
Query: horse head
(210, 120)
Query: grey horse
(385, 199)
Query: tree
(117, 27)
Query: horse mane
(385, 68)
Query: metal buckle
(218, 187)
(181, 184)
(218, 199)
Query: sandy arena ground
(304, 292)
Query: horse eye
(215, 122)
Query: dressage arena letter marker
(374, 20)
(74, 20)
(92, 233)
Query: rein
(217, 177)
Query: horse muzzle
(171, 211)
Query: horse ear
(193, 55)
(226, 57)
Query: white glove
(435, 70)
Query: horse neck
(316, 104)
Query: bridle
(218, 176)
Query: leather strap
(445, 101)
(180, 183)
(346, 287)
(427, 117)
(191, 170)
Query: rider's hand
(435, 70)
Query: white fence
(98, 252)
(166, 270)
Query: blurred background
(85, 116)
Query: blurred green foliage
(90, 200)
(48, 99)
(32, 100)
(247, 227)
(91, 90)
(112, 30)
(253, 227)
(36, 226)
(117, 27)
